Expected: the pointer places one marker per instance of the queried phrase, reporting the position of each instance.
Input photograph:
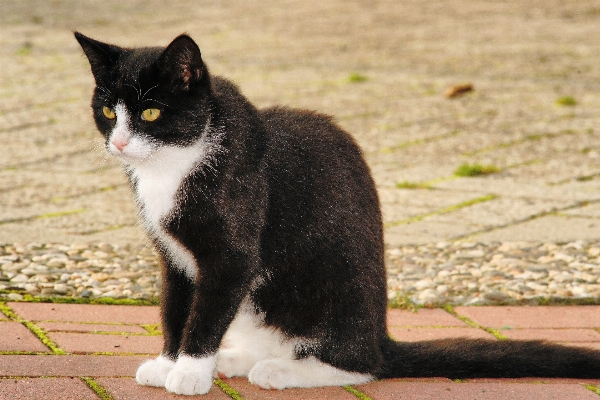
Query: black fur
(288, 215)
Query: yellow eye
(108, 113)
(150, 114)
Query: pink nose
(120, 144)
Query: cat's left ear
(182, 65)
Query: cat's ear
(103, 57)
(181, 64)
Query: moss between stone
(474, 324)
(228, 390)
(97, 388)
(36, 330)
(355, 392)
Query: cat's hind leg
(280, 373)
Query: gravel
(442, 273)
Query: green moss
(153, 329)
(228, 390)
(469, 170)
(97, 388)
(357, 78)
(82, 300)
(566, 101)
(355, 392)
(404, 303)
(593, 388)
(442, 211)
(413, 185)
(36, 330)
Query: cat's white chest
(158, 186)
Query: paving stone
(90, 328)
(390, 389)
(87, 313)
(546, 229)
(422, 317)
(128, 389)
(51, 365)
(555, 335)
(417, 334)
(16, 337)
(45, 388)
(253, 392)
(94, 343)
(534, 317)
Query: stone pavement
(75, 351)
(381, 68)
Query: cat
(268, 226)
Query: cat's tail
(480, 358)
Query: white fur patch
(279, 373)
(154, 372)
(247, 342)
(136, 148)
(158, 181)
(191, 375)
(159, 171)
(268, 358)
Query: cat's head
(148, 98)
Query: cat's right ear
(102, 56)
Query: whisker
(159, 102)
(144, 95)
(137, 90)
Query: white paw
(191, 375)
(154, 372)
(232, 362)
(273, 374)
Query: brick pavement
(96, 349)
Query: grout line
(450, 310)
(417, 142)
(443, 211)
(36, 330)
(516, 142)
(578, 204)
(228, 390)
(43, 216)
(357, 393)
(97, 388)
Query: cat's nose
(120, 144)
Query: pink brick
(391, 389)
(88, 343)
(90, 328)
(534, 317)
(423, 317)
(87, 313)
(29, 365)
(416, 334)
(253, 392)
(15, 336)
(555, 335)
(128, 389)
(45, 388)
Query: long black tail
(480, 358)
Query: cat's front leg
(217, 297)
(176, 301)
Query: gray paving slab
(521, 58)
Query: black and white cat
(270, 234)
